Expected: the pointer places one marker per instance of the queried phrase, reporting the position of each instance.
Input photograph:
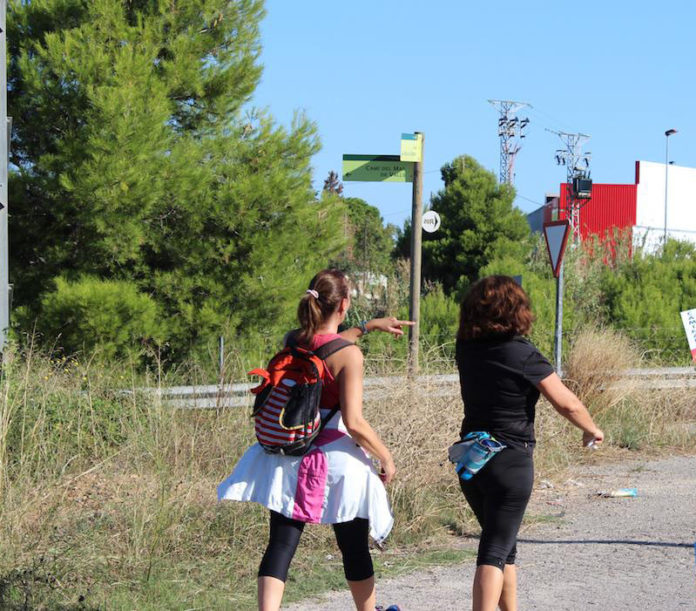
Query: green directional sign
(376, 168)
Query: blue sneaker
(389, 608)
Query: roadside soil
(582, 551)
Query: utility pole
(416, 242)
(511, 131)
(4, 149)
(577, 166)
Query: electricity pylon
(511, 131)
(577, 165)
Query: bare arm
(569, 406)
(389, 324)
(349, 366)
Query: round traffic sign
(431, 221)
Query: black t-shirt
(498, 379)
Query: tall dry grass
(633, 415)
(108, 498)
(596, 366)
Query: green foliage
(439, 315)
(583, 292)
(638, 293)
(645, 294)
(369, 242)
(135, 158)
(479, 224)
(90, 312)
(439, 319)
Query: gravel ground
(590, 553)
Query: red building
(610, 207)
(661, 203)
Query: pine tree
(137, 157)
(479, 224)
(370, 242)
(332, 184)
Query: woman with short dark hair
(502, 375)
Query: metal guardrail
(216, 396)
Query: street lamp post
(668, 133)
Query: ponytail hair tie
(313, 293)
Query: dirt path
(592, 553)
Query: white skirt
(334, 482)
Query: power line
(544, 115)
(533, 201)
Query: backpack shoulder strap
(327, 418)
(324, 352)
(329, 348)
(290, 338)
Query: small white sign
(431, 221)
(689, 320)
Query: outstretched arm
(569, 406)
(389, 324)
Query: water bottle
(480, 452)
(620, 492)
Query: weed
(107, 498)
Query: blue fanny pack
(471, 453)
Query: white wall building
(650, 203)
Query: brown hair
(331, 286)
(495, 306)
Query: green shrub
(108, 315)
(439, 317)
(643, 297)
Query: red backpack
(286, 408)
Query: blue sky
(366, 71)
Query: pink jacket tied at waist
(311, 479)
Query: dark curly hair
(494, 306)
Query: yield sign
(556, 234)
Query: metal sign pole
(558, 339)
(556, 235)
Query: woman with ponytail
(336, 482)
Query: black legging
(498, 494)
(285, 535)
